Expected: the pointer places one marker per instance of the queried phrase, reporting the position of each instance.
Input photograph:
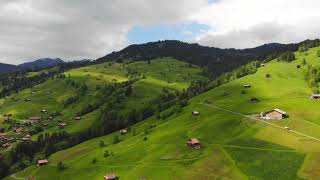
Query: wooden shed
(123, 131)
(196, 113)
(77, 118)
(193, 142)
(315, 97)
(110, 177)
(274, 114)
(42, 162)
(247, 86)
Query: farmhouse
(315, 97)
(44, 110)
(42, 162)
(262, 65)
(77, 118)
(196, 113)
(193, 142)
(247, 86)
(274, 114)
(110, 177)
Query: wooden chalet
(42, 162)
(110, 177)
(276, 114)
(315, 97)
(77, 118)
(247, 86)
(262, 65)
(193, 142)
(43, 110)
(196, 113)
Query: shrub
(116, 139)
(61, 166)
(101, 144)
(94, 161)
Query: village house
(315, 97)
(274, 114)
(110, 177)
(62, 125)
(193, 142)
(44, 110)
(247, 86)
(262, 65)
(42, 162)
(50, 118)
(35, 120)
(77, 118)
(5, 145)
(196, 113)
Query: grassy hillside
(52, 94)
(234, 146)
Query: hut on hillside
(77, 118)
(35, 120)
(62, 125)
(274, 114)
(43, 110)
(110, 177)
(315, 97)
(196, 113)
(42, 162)
(193, 142)
(247, 86)
(262, 65)
(123, 131)
(254, 100)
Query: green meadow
(233, 145)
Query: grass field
(234, 146)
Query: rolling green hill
(236, 143)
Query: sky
(80, 29)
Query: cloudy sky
(77, 29)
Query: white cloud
(248, 23)
(79, 28)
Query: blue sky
(184, 32)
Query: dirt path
(260, 120)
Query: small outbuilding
(287, 128)
(315, 97)
(62, 125)
(123, 131)
(262, 65)
(110, 177)
(274, 114)
(42, 162)
(77, 118)
(193, 142)
(196, 113)
(43, 110)
(35, 120)
(247, 86)
(254, 100)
